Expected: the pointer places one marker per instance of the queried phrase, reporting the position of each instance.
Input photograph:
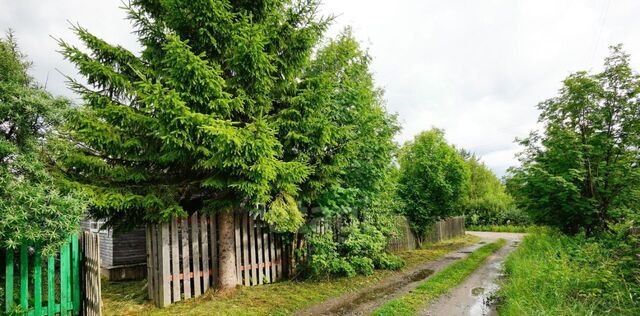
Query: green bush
(358, 248)
(573, 276)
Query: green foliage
(486, 201)
(192, 123)
(582, 171)
(432, 180)
(504, 228)
(360, 250)
(32, 206)
(339, 127)
(439, 284)
(572, 276)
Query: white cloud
(474, 68)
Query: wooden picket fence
(404, 239)
(442, 230)
(182, 256)
(92, 287)
(446, 229)
(52, 287)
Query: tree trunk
(228, 278)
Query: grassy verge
(554, 274)
(505, 228)
(129, 298)
(439, 284)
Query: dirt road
(471, 297)
(368, 299)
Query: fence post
(75, 262)
(24, 277)
(37, 280)
(9, 281)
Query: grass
(554, 274)
(504, 228)
(283, 298)
(439, 284)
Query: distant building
(123, 256)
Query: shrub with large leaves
(33, 208)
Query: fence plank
(24, 277)
(252, 250)
(150, 285)
(204, 240)
(8, 281)
(75, 270)
(213, 242)
(260, 253)
(272, 259)
(278, 241)
(51, 285)
(195, 255)
(245, 248)
(37, 280)
(64, 276)
(186, 271)
(164, 267)
(175, 261)
(238, 241)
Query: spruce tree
(190, 123)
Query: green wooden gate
(34, 287)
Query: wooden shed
(123, 256)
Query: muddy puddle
(348, 307)
(484, 304)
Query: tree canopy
(192, 122)
(32, 206)
(486, 200)
(340, 127)
(433, 179)
(581, 171)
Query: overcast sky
(475, 68)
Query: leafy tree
(190, 124)
(583, 168)
(32, 206)
(486, 200)
(433, 178)
(338, 125)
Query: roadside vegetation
(555, 274)
(283, 298)
(439, 284)
(580, 175)
(504, 228)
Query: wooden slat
(260, 252)
(24, 277)
(8, 282)
(278, 257)
(252, 250)
(154, 258)
(245, 248)
(51, 285)
(75, 273)
(213, 243)
(165, 288)
(37, 281)
(186, 269)
(64, 275)
(150, 262)
(175, 261)
(238, 242)
(195, 255)
(271, 272)
(204, 239)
